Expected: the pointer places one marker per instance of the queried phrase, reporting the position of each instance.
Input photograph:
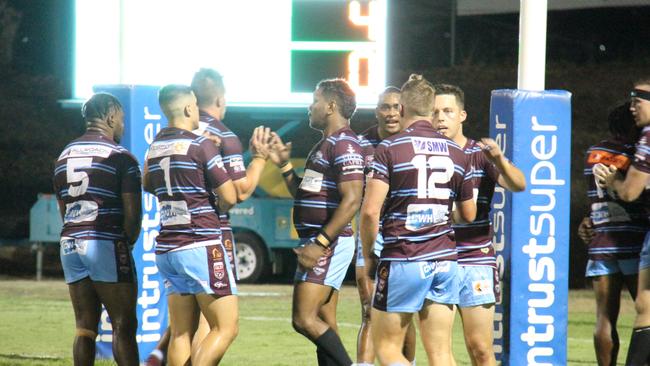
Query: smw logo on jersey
(419, 216)
(431, 146)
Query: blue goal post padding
(531, 228)
(143, 119)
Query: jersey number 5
(74, 176)
(442, 170)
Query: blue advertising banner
(143, 119)
(534, 130)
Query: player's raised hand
(490, 148)
(260, 142)
(213, 138)
(604, 175)
(280, 153)
(309, 254)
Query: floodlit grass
(37, 325)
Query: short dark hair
(207, 85)
(99, 106)
(622, 124)
(448, 89)
(169, 93)
(339, 90)
(642, 81)
(418, 95)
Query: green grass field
(37, 325)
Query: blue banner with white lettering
(143, 119)
(531, 228)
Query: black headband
(638, 93)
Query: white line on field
(287, 320)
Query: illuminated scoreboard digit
(342, 38)
(271, 53)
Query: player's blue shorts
(609, 267)
(402, 287)
(330, 270)
(379, 245)
(644, 261)
(476, 285)
(101, 260)
(204, 269)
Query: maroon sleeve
(215, 171)
(381, 163)
(131, 175)
(347, 160)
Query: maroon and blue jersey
(426, 173)
(183, 171)
(474, 240)
(231, 152)
(333, 160)
(619, 227)
(90, 176)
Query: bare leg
(183, 319)
(222, 315)
(200, 334)
(608, 301)
(365, 351)
(478, 324)
(388, 332)
(87, 310)
(120, 301)
(435, 326)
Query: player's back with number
(183, 169)
(89, 177)
(426, 173)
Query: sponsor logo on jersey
(237, 164)
(429, 146)
(419, 216)
(174, 213)
(167, 148)
(80, 211)
(86, 150)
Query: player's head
(105, 109)
(209, 90)
(640, 102)
(417, 98)
(387, 111)
(621, 123)
(332, 98)
(449, 110)
(178, 103)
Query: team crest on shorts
(383, 273)
(218, 270)
(228, 244)
(216, 254)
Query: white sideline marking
(287, 320)
(261, 294)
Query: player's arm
(146, 182)
(280, 155)
(132, 209)
(259, 148)
(510, 177)
(373, 200)
(61, 205)
(227, 194)
(628, 188)
(351, 192)
(131, 194)
(465, 211)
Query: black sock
(323, 358)
(330, 344)
(639, 352)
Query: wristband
(323, 238)
(286, 167)
(287, 174)
(318, 241)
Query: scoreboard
(270, 52)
